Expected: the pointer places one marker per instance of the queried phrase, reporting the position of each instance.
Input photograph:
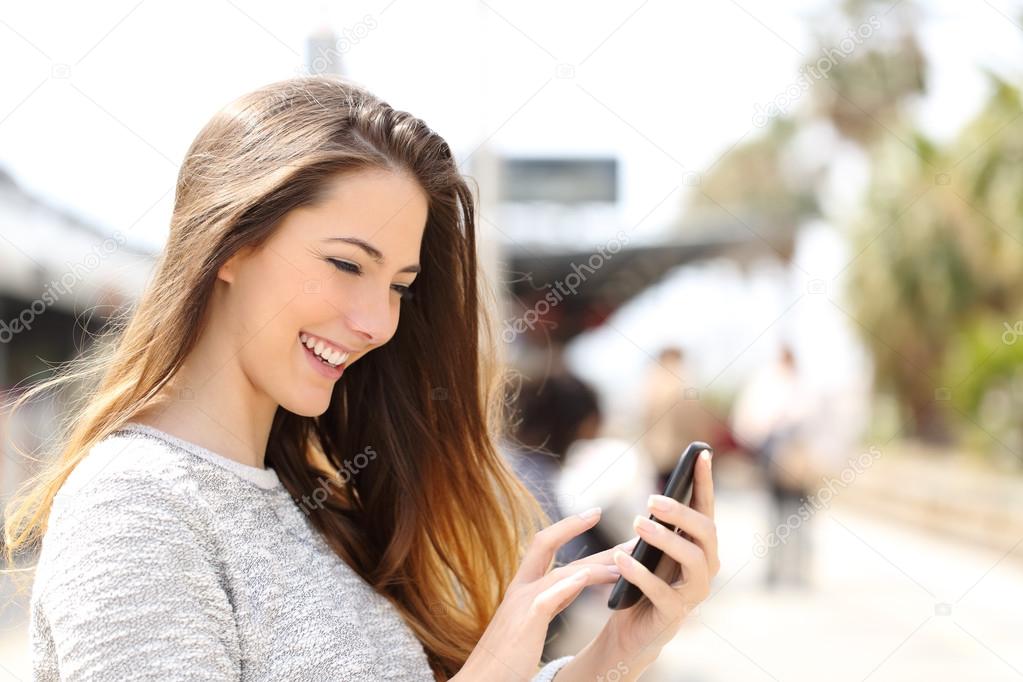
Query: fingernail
(706, 454)
(629, 546)
(659, 502)
(590, 514)
(643, 523)
(614, 570)
(623, 558)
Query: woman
(269, 477)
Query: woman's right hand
(512, 644)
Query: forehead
(377, 205)
(373, 202)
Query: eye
(406, 293)
(345, 265)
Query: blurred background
(793, 230)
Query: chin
(312, 404)
(305, 409)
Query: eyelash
(343, 265)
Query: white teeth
(330, 355)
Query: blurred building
(60, 278)
(568, 259)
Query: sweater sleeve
(129, 589)
(548, 672)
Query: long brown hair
(437, 523)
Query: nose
(373, 317)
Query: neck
(212, 403)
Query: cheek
(395, 320)
(265, 309)
(396, 315)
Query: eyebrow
(373, 251)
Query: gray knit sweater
(164, 561)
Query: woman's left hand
(632, 638)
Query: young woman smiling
(265, 364)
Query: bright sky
(100, 100)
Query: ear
(227, 270)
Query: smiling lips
(328, 353)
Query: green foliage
(942, 260)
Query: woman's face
(326, 283)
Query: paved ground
(887, 603)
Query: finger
(599, 573)
(688, 554)
(696, 526)
(703, 486)
(607, 556)
(546, 542)
(552, 600)
(660, 594)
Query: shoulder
(127, 501)
(122, 459)
(128, 554)
(122, 474)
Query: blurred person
(269, 477)
(610, 473)
(670, 417)
(771, 416)
(550, 415)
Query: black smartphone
(679, 487)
